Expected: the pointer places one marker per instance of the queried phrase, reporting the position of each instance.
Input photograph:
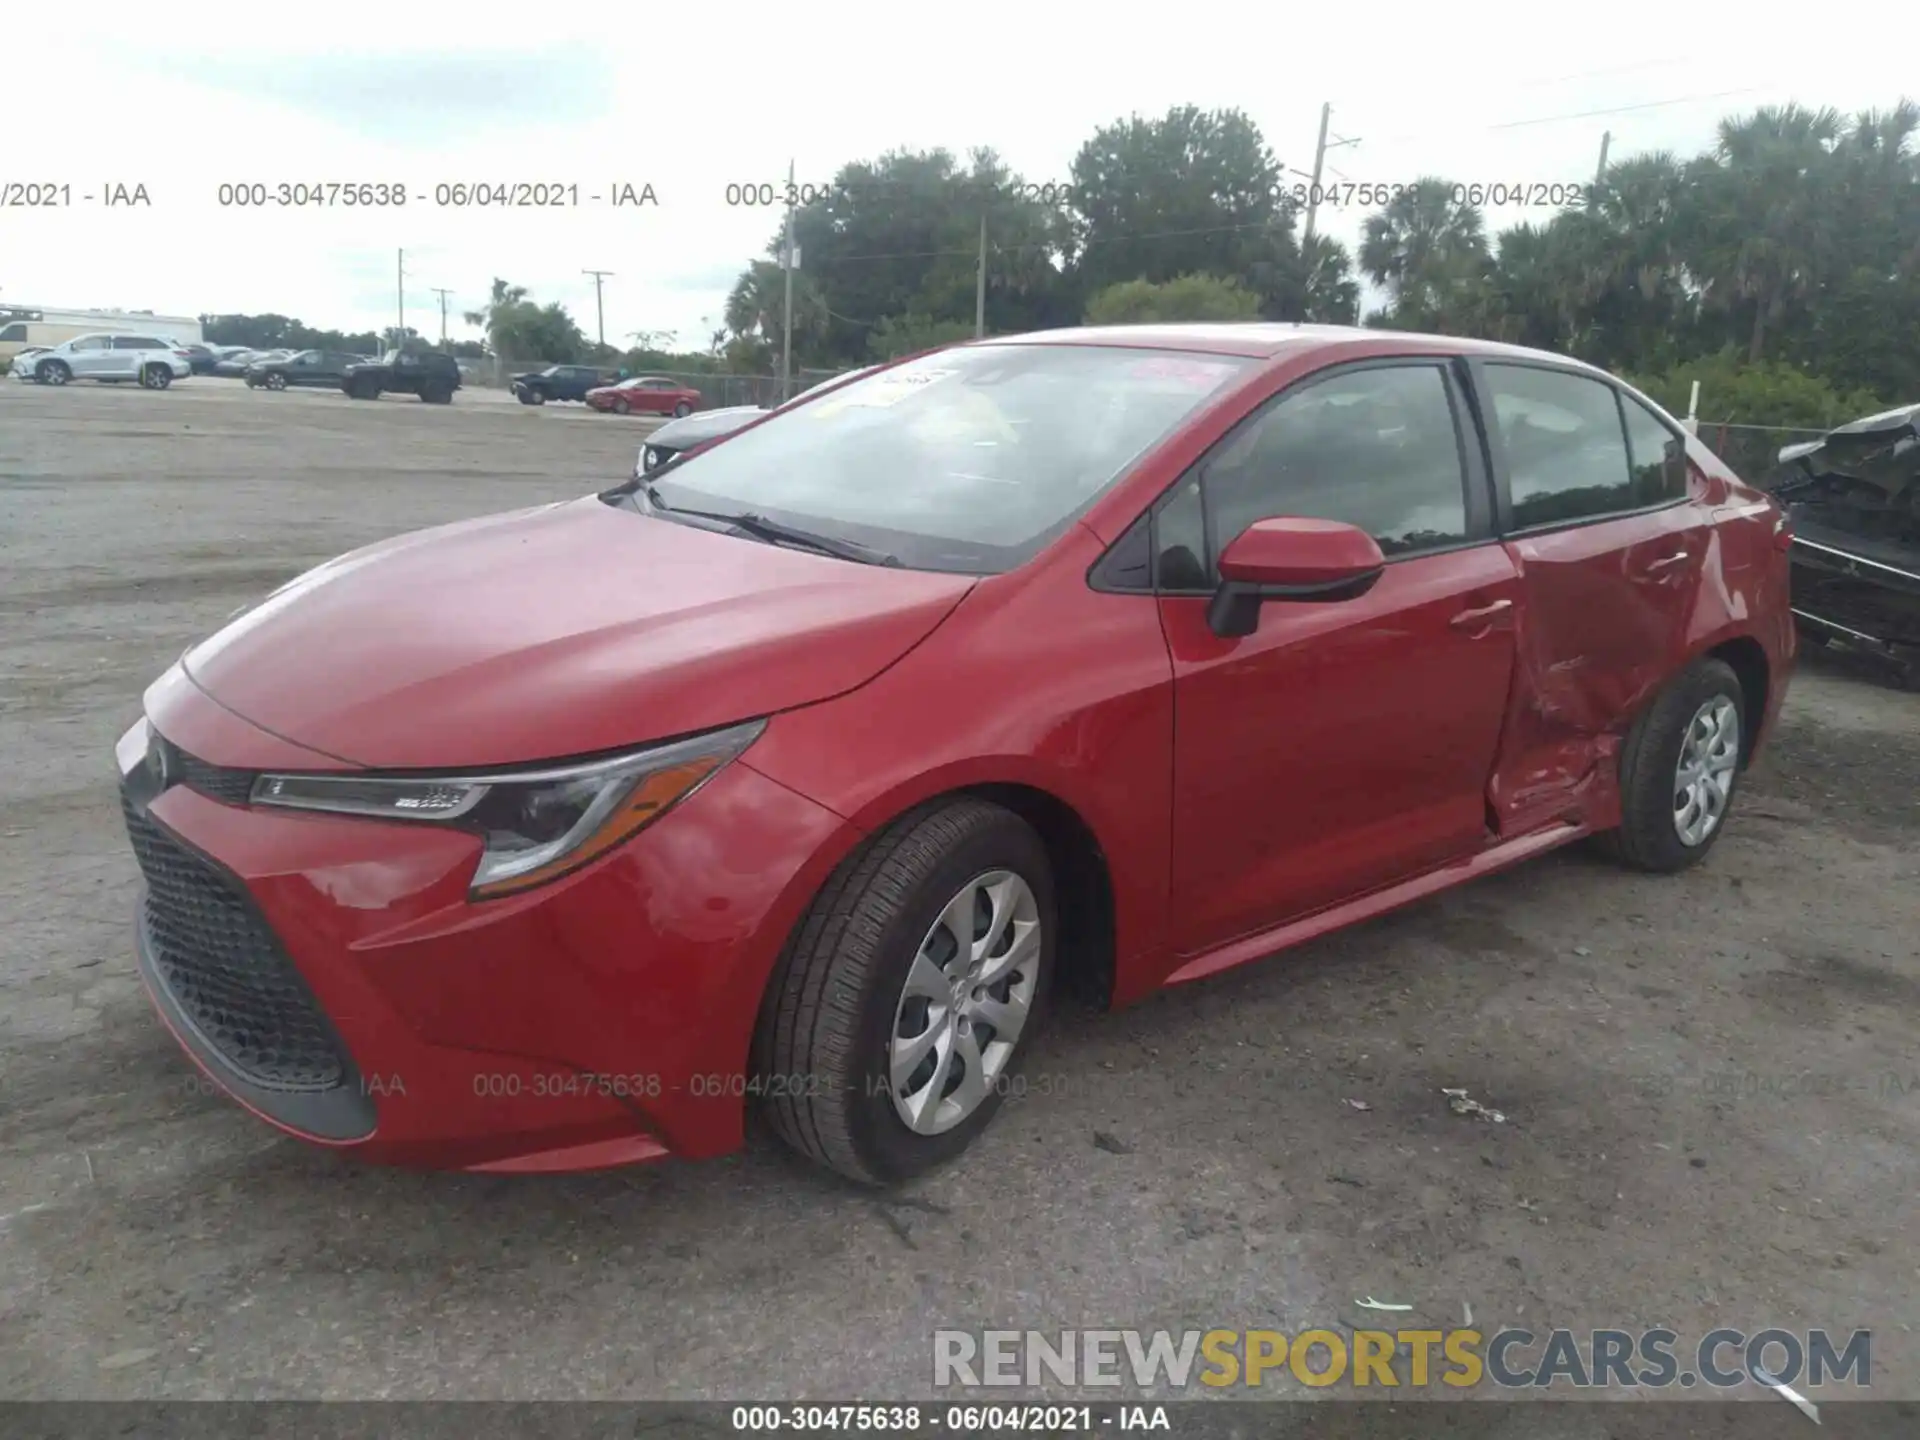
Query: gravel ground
(1712, 1082)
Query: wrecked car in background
(1854, 499)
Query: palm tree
(1773, 212)
(1426, 248)
(500, 303)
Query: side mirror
(1291, 558)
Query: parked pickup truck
(431, 375)
(558, 382)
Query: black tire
(276, 381)
(436, 397)
(825, 1025)
(531, 396)
(156, 377)
(52, 372)
(1648, 838)
(682, 410)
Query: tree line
(1782, 263)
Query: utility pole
(1320, 149)
(980, 285)
(1600, 175)
(599, 308)
(786, 327)
(400, 296)
(443, 314)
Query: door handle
(1667, 562)
(1482, 616)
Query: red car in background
(646, 395)
(801, 769)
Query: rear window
(967, 460)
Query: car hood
(564, 630)
(707, 425)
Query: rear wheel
(52, 372)
(1679, 770)
(156, 377)
(905, 998)
(437, 397)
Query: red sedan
(803, 770)
(645, 395)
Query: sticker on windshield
(878, 392)
(1194, 374)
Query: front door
(93, 357)
(1342, 746)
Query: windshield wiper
(775, 532)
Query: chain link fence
(1753, 451)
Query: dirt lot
(1712, 1082)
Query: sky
(185, 98)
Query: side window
(1180, 559)
(88, 343)
(15, 331)
(1378, 448)
(1566, 447)
(128, 342)
(1659, 456)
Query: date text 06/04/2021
(1372, 194)
(973, 1420)
(774, 195)
(443, 194)
(575, 1084)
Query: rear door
(1606, 520)
(1341, 746)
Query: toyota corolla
(804, 770)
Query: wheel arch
(1084, 962)
(1747, 658)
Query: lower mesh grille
(223, 966)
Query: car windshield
(968, 460)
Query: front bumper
(340, 985)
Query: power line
(1625, 109)
(1571, 115)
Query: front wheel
(52, 372)
(894, 1022)
(276, 381)
(682, 410)
(620, 406)
(1679, 770)
(533, 397)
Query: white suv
(155, 362)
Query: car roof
(1266, 339)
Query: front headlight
(537, 824)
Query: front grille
(221, 963)
(216, 782)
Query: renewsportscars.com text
(1459, 1358)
